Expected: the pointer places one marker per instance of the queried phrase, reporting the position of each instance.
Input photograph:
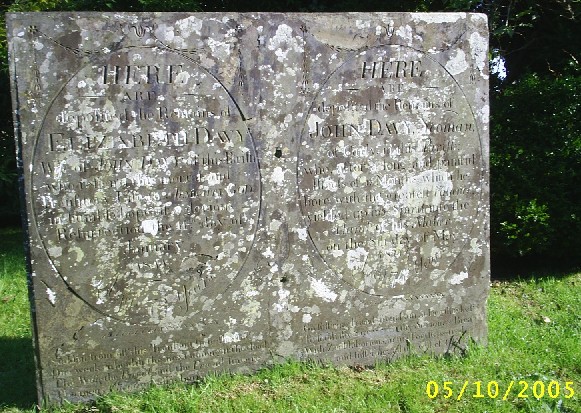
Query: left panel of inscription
(145, 187)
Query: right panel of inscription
(390, 172)
(392, 183)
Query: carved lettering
(391, 69)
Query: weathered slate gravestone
(218, 192)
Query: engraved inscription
(389, 164)
(218, 192)
(149, 188)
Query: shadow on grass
(17, 373)
(529, 268)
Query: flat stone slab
(219, 192)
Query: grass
(534, 337)
(17, 382)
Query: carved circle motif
(149, 190)
(389, 164)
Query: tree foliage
(536, 165)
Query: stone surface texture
(220, 192)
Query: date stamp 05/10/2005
(521, 389)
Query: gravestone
(220, 192)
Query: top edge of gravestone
(425, 17)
